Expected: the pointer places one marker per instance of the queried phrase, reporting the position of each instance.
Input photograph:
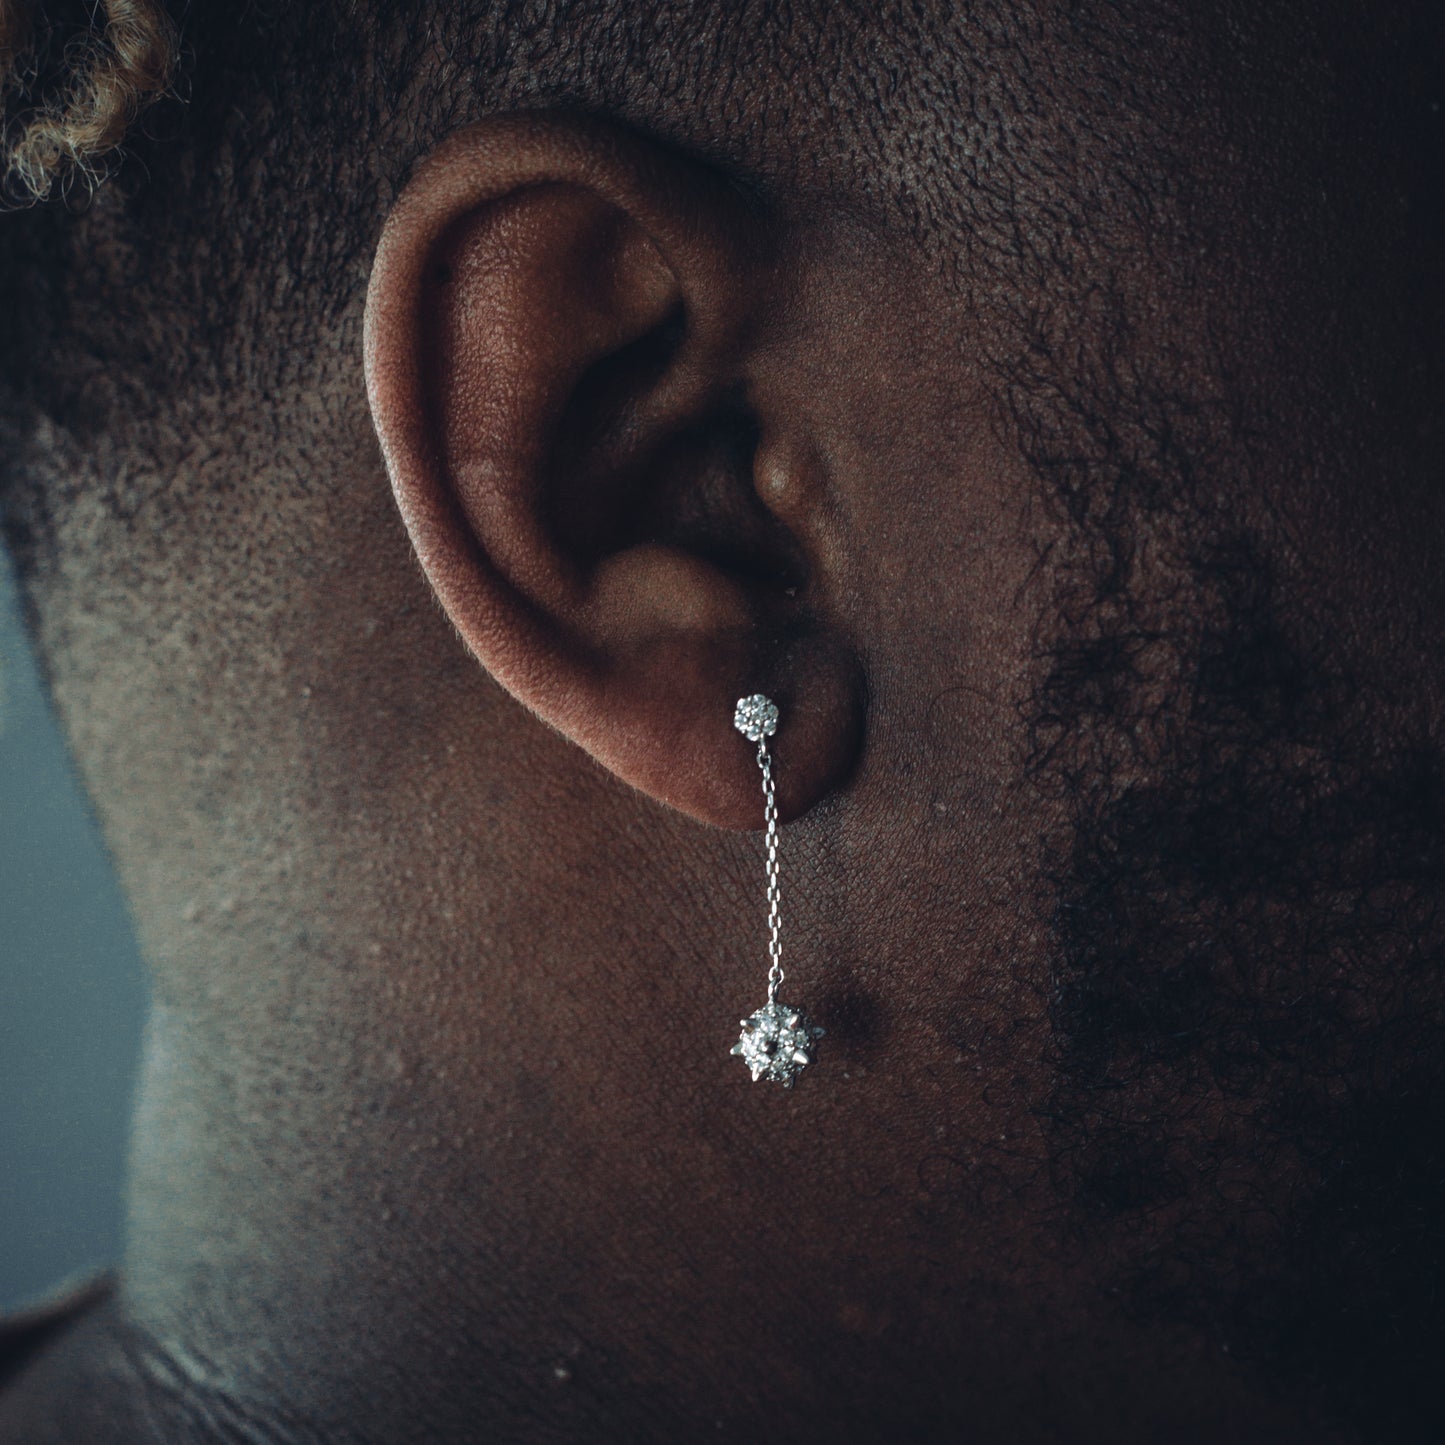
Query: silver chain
(777, 1042)
(770, 816)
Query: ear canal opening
(625, 473)
(699, 496)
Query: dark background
(72, 1001)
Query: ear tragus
(558, 362)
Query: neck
(363, 1281)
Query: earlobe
(561, 330)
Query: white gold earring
(779, 1041)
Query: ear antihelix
(531, 292)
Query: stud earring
(778, 1041)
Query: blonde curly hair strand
(109, 74)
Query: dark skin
(1082, 620)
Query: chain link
(770, 817)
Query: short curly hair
(70, 94)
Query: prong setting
(777, 1043)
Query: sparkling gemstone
(756, 717)
(778, 1043)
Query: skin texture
(1007, 393)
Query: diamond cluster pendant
(777, 1043)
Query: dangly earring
(778, 1041)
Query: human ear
(576, 365)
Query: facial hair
(1247, 1121)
